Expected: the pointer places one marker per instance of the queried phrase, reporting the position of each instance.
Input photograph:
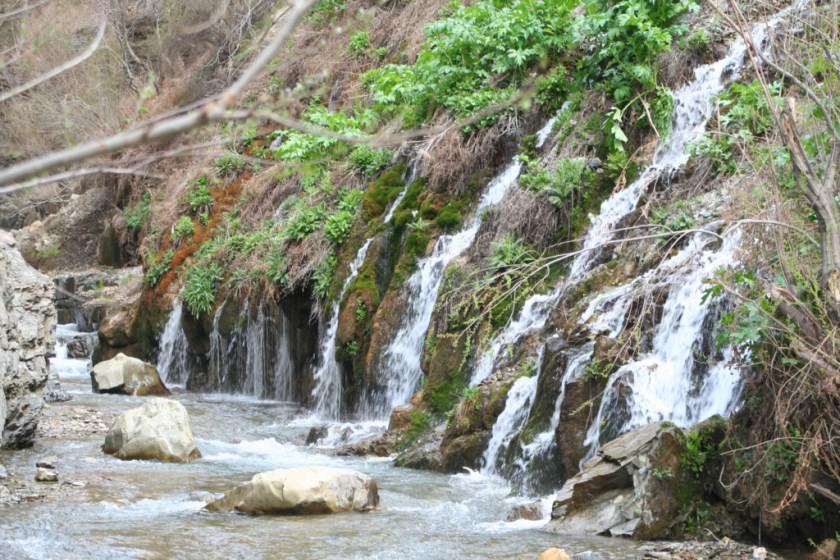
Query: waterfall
(661, 383)
(520, 398)
(173, 357)
(402, 357)
(217, 367)
(327, 392)
(653, 398)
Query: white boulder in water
(300, 491)
(158, 430)
(126, 375)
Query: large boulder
(158, 430)
(126, 375)
(632, 488)
(306, 490)
(27, 318)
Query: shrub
(359, 43)
(277, 270)
(368, 160)
(509, 251)
(184, 227)
(337, 227)
(304, 221)
(229, 163)
(200, 288)
(322, 278)
(157, 266)
(448, 218)
(136, 216)
(200, 197)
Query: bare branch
(22, 10)
(75, 174)
(211, 111)
(100, 34)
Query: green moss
(449, 218)
(443, 395)
(381, 192)
(418, 422)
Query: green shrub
(136, 216)
(368, 160)
(323, 276)
(200, 197)
(304, 221)
(350, 200)
(359, 43)
(199, 292)
(697, 42)
(509, 251)
(337, 227)
(184, 227)
(277, 271)
(229, 163)
(156, 267)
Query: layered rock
(630, 488)
(307, 490)
(158, 430)
(126, 375)
(27, 318)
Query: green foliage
(304, 221)
(443, 395)
(418, 422)
(558, 185)
(299, 146)
(552, 89)
(184, 227)
(136, 216)
(322, 277)
(338, 225)
(663, 111)
(468, 53)
(229, 163)
(675, 217)
(277, 270)
(361, 311)
(359, 43)
(747, 324)
(156, 267)
(200, 197)
(697, 42)
(662, 474)
(694, 456)
(48, 251)
(381, 192)
(199, 292)
(508, 252)
(368, 160)
(598, 369)
(326, 11)
(352, 348)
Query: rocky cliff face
(27, 318)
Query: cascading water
(693, 106)
(173, 358)
(403, 355)
(661, 384)
(327, 391)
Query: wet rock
(424, 455)
(4, 474)
(400, 419)
(383, 445)
(157, 430)
(622, 491)
(126, 375)
(80, 347)
(316, 434)
(45, 475)
(587, 555)
(531, 512)
(301, 491)
(554, 554)
(56, 394)
(27, 316)
(724, 549)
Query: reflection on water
(140, 509)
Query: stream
(144, 509)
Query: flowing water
(173, 356)
(327, 392)
(150, 510)
(661, 384)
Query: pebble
(47, 462)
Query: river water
(143, 509)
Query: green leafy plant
(304, 221)
(351, 347)
(359, 43)
(136, 216)
(368, 160)
(156, 267)
(184, 227)
(200, 197)
(361, 311)
(229, 163)
(695, 454)
(508, 252)
(199, 292)
(338, 225)
(322, 277)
